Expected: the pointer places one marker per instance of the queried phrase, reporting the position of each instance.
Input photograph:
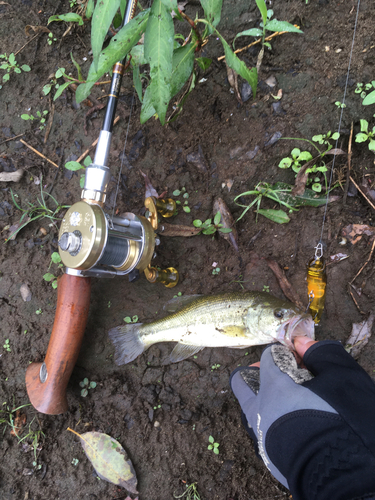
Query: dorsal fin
(178, 303)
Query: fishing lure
(316, 284)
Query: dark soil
(163, 415)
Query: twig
(40, 154)
(11, 139)
(254, 43)
(194, 27)
(349, 166)
(365, 264)
(31, 39)
(355, 302)
(83, 155)
(362, 193)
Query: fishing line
(339, 129)
(316, 268)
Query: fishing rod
(95, 244)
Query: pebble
(25, 292)
(156, 424)
(275, 137)
(246, 91)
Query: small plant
(157, 407)
(191, 492)
(266, 288)
(10, 65)
(74, 166)
(35, 212)
(216, 271)
(326, 138)
(75, 462)
(185, 196)
(209, 227)
(267, 24)
(51, 38)
(86, 385)
(215, 366)
(7, 345)
(8, 416)
(366, 135)
(363, 88)
(213, 446)
(39, 115)
(179, 294)
(294, 160)
(132, 319)
(340, 105)
(38, 312)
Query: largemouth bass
(235, 320)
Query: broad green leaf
(212, 10)
(217, 218)
(119, 46)
(209, 230)
(26, 117)
(90, 8)
(225, 230)
(12, 59)
(6, 77)
(252, 32)
(73, 165)
(305, 156)
(278, 216)
(109, 459)
(148, 109)
(171, 5)
(61, 89)
(25, 67)
(263, 10)
(101, 21)
(183, 61)
(137, 82)
(371, 145)
(55, 257)
(369, 99)
(48, 277)
(275, 25)
(364, 125)
(285, 163)
(250, 75)
(78, 67)
(316, 187)
(138, 55)
(197, 223)
(158, 51)
(71, 17)
(281, 192)
(123, 7)
(203, 62)
(361, 137)
(87, 161)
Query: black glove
(314, 428)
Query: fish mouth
(302, 326)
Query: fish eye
(278, 313)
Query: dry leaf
(18, 424)
(227, 221)
(109, 459)
(36, 29)
(361, 332)
(233, 82)
(150, 190)
(354, 232)
(166, 229)
(11, 176)
(285, 286)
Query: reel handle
(46, 382)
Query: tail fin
(127, 342)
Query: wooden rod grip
(46, 382)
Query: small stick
(83, 155)
(365, 264)
(11, 139)
(355, 302)
(31, 39)
(40, 154)
(349, 166)
(254, 43)
(359, 189)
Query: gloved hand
(314, 428)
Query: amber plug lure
(316, 284)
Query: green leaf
(182, 64)
(171, 5)
(60, 72)
(316, 187)
(54, 284)
(358, 138)
(225, 230)
(101, 21)
(364, 126)
(371, 145)
(87, 161)
(211, 439)
(119, 46)
(186, 209)
(197, 223)
(12, 59)
(158, 51)
(109, 459)
(25, 67)
(335, 136)
(49, 277)
(61, 89)
(138, 55)
(285, 163)
(278, 216)
(78, 67)
(84, 392)
(252, 32)
(250, 75)
(148, 109)
(71, 17)
(212, 10)
(263, 10)
(204, 62)
(275, 25)
(92, 385)
(90, 8)
(209, 230)
(217, 218)
(25, 117)
(369, 99)
(55, 257)
(6, 77)
(305, 156)
(73, 165)
(216, 451)
(176, 192)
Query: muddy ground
(163, 415)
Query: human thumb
(301, 344)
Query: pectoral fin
(183, 351)
(233, 331)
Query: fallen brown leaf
(354, 232)
(233, 82)
(18, 424)
(36, 29)
(361, 332)
(285, 286)
(227, 221)
(150, 190)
